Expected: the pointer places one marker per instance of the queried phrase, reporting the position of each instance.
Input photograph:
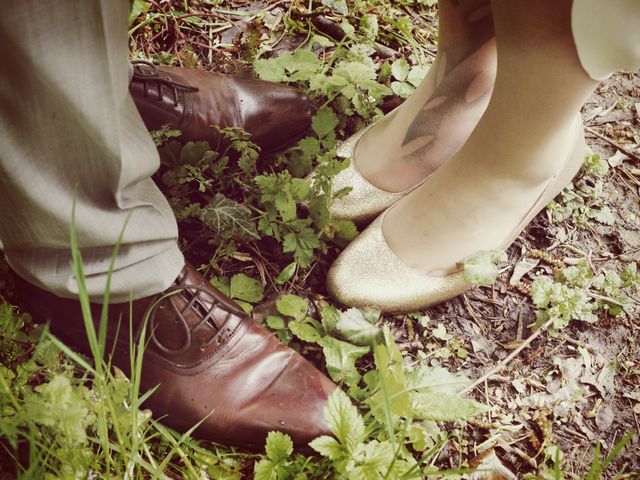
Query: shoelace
(195, 303)
(152, 75)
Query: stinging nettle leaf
(265, 470)
(292, 306)
(327, 447)
(246, 288)
(305, 332)
(279, 446)
(341, 359)
(344, 420)
(270, 70)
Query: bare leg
(478, 197)
(409, 144)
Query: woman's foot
(412, 142)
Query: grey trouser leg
(68, 124)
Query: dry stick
(624, 150)
(508, 358)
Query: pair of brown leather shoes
(208, 359)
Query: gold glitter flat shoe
(368, 272)
(365, 201)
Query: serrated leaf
(320, 211)
(300, 188)
(402, 89)
(270, 70)
(481, 269)
(400, 69)
(292, 306)
(440, 407)
(60, 405)
(603, 215)
(324, 122)
(265, 470)
(354, 327)
(301, 244)
(372, 460)
(344, 420)
(327, 447)
(347, 230)
(305, 332)
(593, 164)
(286, 205)
(340, 358)
(246, 288)
(416, 75)
(279, 446)
(310, 146)
(229, 219)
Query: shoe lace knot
(148, 74)
(196, 314)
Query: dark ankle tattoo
(460, 81)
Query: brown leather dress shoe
(192, 100)
(208, 358)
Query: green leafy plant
(553, 455)
(576, 294)
(583, 200)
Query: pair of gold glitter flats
(368, 272)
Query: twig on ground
(578, 343)
(508, 358)
(471, 310)
(613, 143)
(606, 299)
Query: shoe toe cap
(274, 389)
(368, 273)
(303, 393)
